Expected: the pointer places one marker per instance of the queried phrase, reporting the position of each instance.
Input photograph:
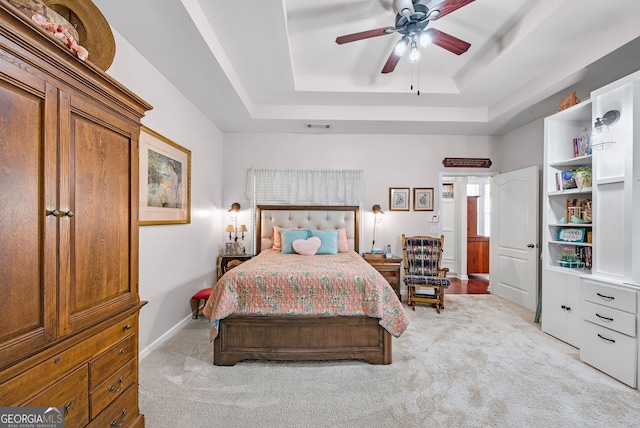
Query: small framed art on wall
(398, 199)
(423, 198)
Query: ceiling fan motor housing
(415, 23)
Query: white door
(514, 236)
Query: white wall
(521, 148)
(175, 260)
(387, 160)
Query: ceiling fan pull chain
(411, 87)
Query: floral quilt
(292, 284)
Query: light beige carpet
(481, 363)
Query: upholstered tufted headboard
(312, 217)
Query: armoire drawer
(42, 373)
(602, 293)
(70, 393)
(122, 412)
(113, 387)
(614, 319)
(103, 366)
(609, 351)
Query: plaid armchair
(424, 277)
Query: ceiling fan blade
(393, 59)
(448, 6)
(364, 35)
(448, 42)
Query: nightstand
(389, 268)
(224, 259)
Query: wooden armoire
(69, 175)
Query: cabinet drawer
(609, 351)
(111, 360)
(44, 372)
(122, 412)
(609, 295)
(614, 319)
(112, 387)
(390, 275)
(71, 393)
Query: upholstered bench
(203, 294)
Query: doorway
(465, 212)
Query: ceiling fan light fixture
(415, 53)
(401, 47)
(425, 38)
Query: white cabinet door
(561, 306)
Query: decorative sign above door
(466, 162)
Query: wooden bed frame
(302, 338)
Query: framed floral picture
(165, 175)
(398, 199)
(423, 198)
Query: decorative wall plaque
(466, 162)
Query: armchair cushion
(426, 280)
(423, 256)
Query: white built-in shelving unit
(595, 307)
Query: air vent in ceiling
(317, 125)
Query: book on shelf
(565, 180)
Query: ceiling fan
(412, 19)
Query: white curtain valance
(305, 186)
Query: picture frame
(399, 199)
(165, 180)
(423, 198)
(234, 249)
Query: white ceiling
(274, 66)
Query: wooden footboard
(301, 338)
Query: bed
(299, 308)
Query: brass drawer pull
(112, 388)
(114, 423)
(67, 408)
(127, 327)
(121, 352)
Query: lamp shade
(601, 137)
(243, 228)
(235, 207)
(229, 228)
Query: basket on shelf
(571, 264)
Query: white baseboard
(166, 336)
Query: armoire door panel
(27, 234)
(100, 228)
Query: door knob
(530, 245)
(68, 213)
(54, 213)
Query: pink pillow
(307, 247)
(343, 243)
(277, 244)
